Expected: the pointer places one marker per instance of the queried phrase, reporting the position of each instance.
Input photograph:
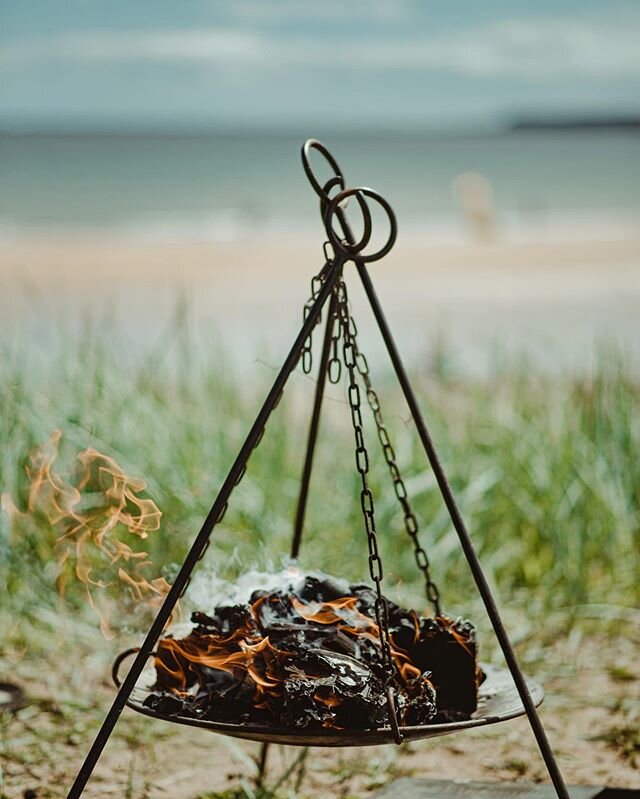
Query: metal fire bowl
(498, 700)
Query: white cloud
(209, 45)
(539, 48)
(535, 48)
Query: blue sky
(292, 63)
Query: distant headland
(559, 123)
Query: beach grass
(544, 467)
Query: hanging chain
(410, 519)
(380, 606)
(316, 284)
(307, 353)
(342, 327)
(362, 464)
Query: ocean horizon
(229, 187)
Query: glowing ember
(309, 657)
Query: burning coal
(307, 656)
(98, 519)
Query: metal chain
(362, 465)
(316, 285)
(376, 573)
(410, 520)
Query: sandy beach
(553, 300)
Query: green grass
(545, 470)
(624, 739)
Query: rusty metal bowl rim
(498, 701)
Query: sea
(230, 187)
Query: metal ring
(314, 144)
(353, 250)
(118, 662)
(364, 239)
(325, 199)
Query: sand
(553, 300)
(589, 683)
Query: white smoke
(207, 590)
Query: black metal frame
(346, 248)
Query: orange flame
(177, 661)
(344, 613)
(247, 654)
(89, 512)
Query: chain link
(410, 520)
(335, 364)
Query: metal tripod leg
(200, 544)
(313, 432)
(465, 540)
(262, 765)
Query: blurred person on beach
(474, 194)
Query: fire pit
(498, 700)
(302, 662)
(323, 662)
